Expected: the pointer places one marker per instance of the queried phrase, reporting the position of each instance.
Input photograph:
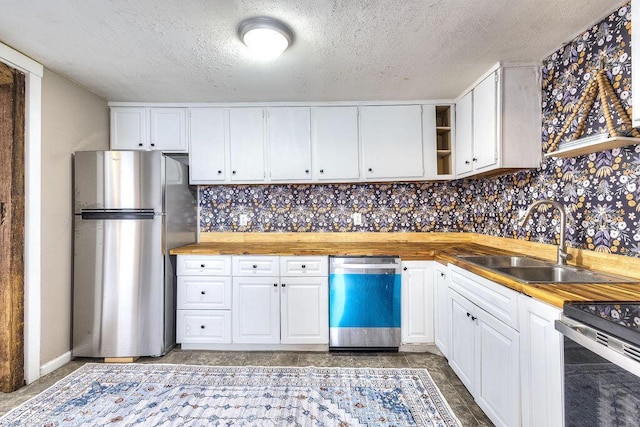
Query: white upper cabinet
(485, 148)
(168, 129)
(391, 138)
(334, 141)
(140, 128)
(289, 143)
(207, 132)
(246, 141)
(128, 128)
(498, 122)
(464, 134)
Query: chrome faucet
(563, 256)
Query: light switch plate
(244, 220)
(357, 218)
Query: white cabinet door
(289, 143)
(541, 364)
(129, 128)
(391, 138)
(246, 140)
(304, 310)
(417, 302)
(462, 352)
(334, 138)
(498, 379)
(442, 309)
(168, 129)
(464, 134)
(207, 145)
(485, 113)
(256, 310)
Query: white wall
(73, 119)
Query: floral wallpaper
(600, 190)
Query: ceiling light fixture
(266, 37)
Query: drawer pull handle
(201, 265)
(202, 292)
(283, 285)
(201, 326)
(254, 266)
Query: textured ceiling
(188, 50)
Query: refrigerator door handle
(117, 215)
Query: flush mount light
(265, 37)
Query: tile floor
(469, 414)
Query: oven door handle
(578, 333)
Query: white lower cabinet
(252, 301)
(417, 323)
(485, 350)
(541, 364)
(203, 303)
(442, 312)
(256, 310)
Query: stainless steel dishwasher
(364, 303)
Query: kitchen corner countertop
(554, 294)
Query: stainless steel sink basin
(533, 270)
(560, 274)
(501, 261)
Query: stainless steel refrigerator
(130, 209)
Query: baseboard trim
(56, 363)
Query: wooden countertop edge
(441, 247)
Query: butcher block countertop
(442, 247)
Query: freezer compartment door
(118, 180)
(118, 295)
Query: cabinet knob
(140, 144)
(275, 285)
(466, 162)
(283, 285)
(468, 314)
(219, 172)
(254, 266)
(441, 274)
(201, 326)
(321, 170)
(306, 171)
(303, 266)
(473, 318)
(370, 169)
(233, 172)
(404, 268)
(153, 144)
(202, 292)
(474, 159)
(201, 265)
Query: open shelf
(443, 140)
(594, 146)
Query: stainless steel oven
(601, 364)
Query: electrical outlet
(244, 220)
(357, 218)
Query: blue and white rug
(188, 395)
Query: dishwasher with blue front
(364, 303)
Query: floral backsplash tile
(600, 190)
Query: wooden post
(12, 115)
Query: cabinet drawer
(497, 300)
(256, 265)
(203, 326)
(304, 266)
(204, 265)
(204, 292)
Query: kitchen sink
(533, 270)
(502, 261)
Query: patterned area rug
(187, 395)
